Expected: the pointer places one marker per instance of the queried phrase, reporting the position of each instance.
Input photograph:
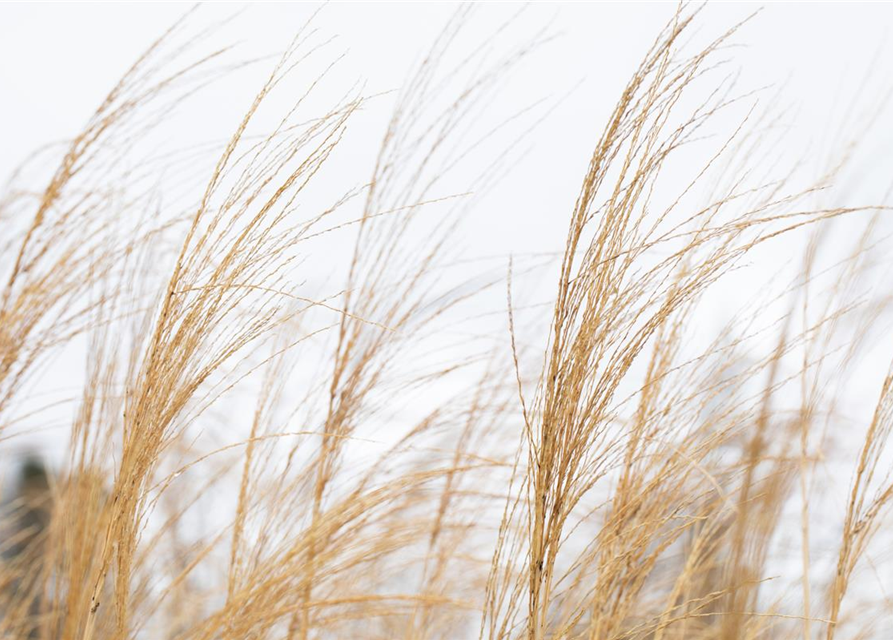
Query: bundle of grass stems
(236, 466)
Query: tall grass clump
(268, 446)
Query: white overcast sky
(57, 61)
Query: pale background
(57, 62)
